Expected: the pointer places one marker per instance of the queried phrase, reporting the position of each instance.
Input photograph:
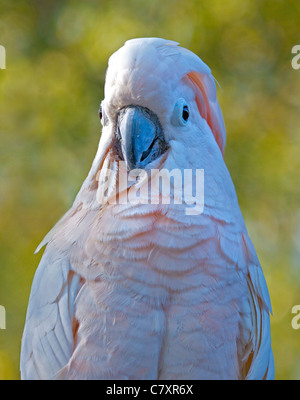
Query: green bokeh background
(57, 54)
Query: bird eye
(102, 115)
(185, 113)
(181, 113)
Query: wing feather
(48, 340)
(257, 355)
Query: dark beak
(141, 136)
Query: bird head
(158, 98)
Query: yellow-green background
(57, 54)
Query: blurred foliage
(57, 54)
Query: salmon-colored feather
(208, 107)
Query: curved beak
(141, 136)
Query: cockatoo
(149, 289)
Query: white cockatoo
(150, 289)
